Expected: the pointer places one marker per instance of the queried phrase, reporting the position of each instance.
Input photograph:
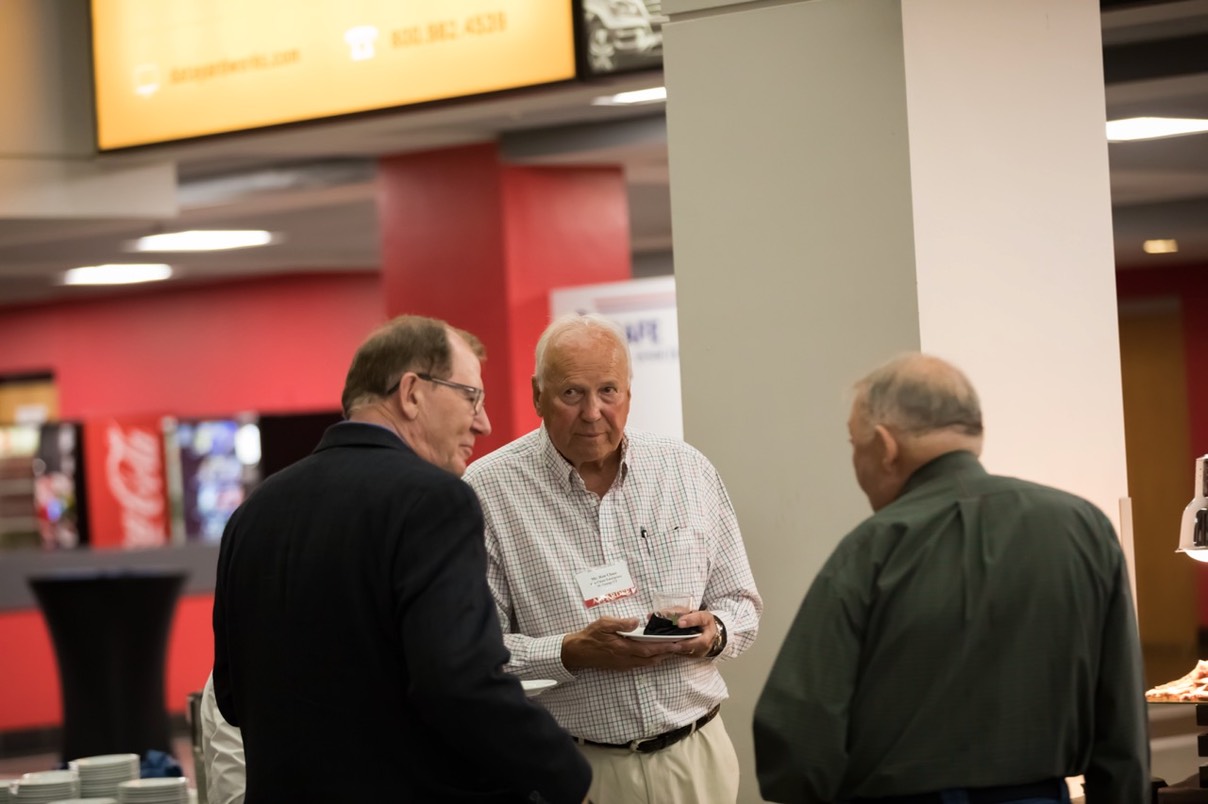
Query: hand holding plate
(601, 645)
(697, 646)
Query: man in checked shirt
(585, 520)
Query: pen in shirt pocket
(645, 539)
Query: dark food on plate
(662, 626)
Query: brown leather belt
(981, 795)
(649, 745)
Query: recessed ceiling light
(204, 240)
(651, 95)
(1169, 246)
(117, 274)
(1152, 128)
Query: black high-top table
(110, 633)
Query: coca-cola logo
(134, 472)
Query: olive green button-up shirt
(978, 631)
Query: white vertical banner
(645, 309)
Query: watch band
(720, 640)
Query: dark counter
(197, 561)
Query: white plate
(50, 777)
(637, 634)
(105, 761)
(536, 686)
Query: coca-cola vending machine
(60, 495)
(42, 494)
(213, 464)
(127, 487)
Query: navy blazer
(357, 645)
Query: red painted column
(480, 244)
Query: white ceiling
(313, 185)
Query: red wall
(1188, 284)
(272, 345)
(29, 678)
(269, 345)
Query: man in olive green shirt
(974, 636)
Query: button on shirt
(668, 517)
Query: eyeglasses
(473, 395)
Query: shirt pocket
(681, 559)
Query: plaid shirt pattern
(668, 517)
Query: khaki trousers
(700, 769)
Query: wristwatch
(719, 639)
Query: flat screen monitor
(168, 70)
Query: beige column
(855, 178)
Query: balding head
(905, 414)
(918, 394)
(579, 325)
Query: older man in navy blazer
(356, 642)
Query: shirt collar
(949, 463)
(565, 474)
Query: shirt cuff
(545, 659)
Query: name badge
(605, 584)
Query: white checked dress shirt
(668, 517)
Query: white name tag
(605, 584)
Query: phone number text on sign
(449, 30)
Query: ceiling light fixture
(651, 95)
(117, 274)
(1169, 246)
(204, 240)
(1152, 128)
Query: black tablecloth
(110, 632)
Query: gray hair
(917, 394)
(579, 323)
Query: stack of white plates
(100, 775)
(167, 790)
(46, 786)
(86, 801)
(6, 788)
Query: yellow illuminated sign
(173, 69)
